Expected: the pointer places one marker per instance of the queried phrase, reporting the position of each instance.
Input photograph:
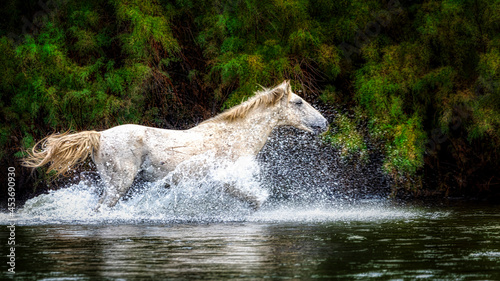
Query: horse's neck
(246, 136)
(258, 125)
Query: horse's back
(137, 135)
(124, 137)
(159, 148)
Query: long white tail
(63, 151)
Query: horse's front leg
(253, 197)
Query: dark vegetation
(416, 81)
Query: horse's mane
(267, 97)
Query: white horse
(121, 152)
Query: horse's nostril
(319, 128)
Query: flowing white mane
(266, 97)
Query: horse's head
(298, 113)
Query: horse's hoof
(255, 205)
(97, 209)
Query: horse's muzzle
(320, 128)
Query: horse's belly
(152, 176)
(153, 170)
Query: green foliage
(486, 107)
(70, 75)
(260, 42)
(330, 96)
(440, 78)
(385, 88)
(150, 32)
(344, 135)
(405, 153)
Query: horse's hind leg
(117, 179)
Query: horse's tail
(63, 151)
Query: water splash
(195, 191)
(157, 204)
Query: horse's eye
(299, 102)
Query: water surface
(357, 241)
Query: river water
(363, 240)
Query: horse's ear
(288, 89)
(285, 85)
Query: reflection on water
(461, 243)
